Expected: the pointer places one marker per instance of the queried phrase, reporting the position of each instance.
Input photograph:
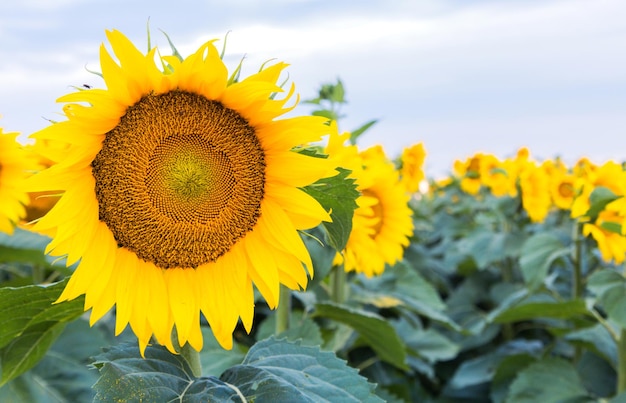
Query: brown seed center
(180, 179)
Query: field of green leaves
(509, 287)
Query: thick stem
(193, 359)
(338, 284)
(283, 310)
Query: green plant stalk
(338, 284)
(577, 277)
(193, 359)
(283, 310)
(621, 362)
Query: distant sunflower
(14, 166)
(382, 222)
(181, 191)
(412, 170)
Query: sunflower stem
(338, 285)
(193, 359)
(284, 310)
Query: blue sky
(460, 76)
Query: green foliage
(273, 370)
(547, 380)
(485, 306)
(30, 324)
(375, 331)
(610, 288)
(537, 255)
(338, 195)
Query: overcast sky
(461, 76)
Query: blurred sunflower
(469, 172)
(181, 191)
(608, 231)
(534, 187)
(412, 167)
(15, 164)
(382, 222)
(610, 175)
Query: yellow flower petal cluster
(412, 167)
(608, 230)
(382, 222)
(15, 165)
(181, 190)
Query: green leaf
(598, 199)
(277, 370)
(62, 375)
(30, 323)
(301, 328)
(24, 247)
(159, 377)
(330, 115)
(214, 359)
(537, 255)
(410, 283)
(547, 380)
(597, 339)
(610, 288)
(482, 369)
(356, 133)
(485, 247)
(534, 310)
(24, 352)
(374, 329)
(338, 195)
(505, 374)
(431, 345)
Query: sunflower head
(181, 190)
(382, 222)
(412, 167)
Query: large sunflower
(382, 222)
(14, 166)
(181, 191)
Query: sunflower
(469, 172)
(382, 222)
(15, 163)
(608, 232)
(534, 185)
(181, 192)
(412, 170)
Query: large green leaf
(536, 310)
(62, 375)
(338, 195)
(280, 371)
(374, 329)
(537, 255)
(30, 323)
(547, 380)
(159, 377)
(610, 288)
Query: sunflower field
(182, 233)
